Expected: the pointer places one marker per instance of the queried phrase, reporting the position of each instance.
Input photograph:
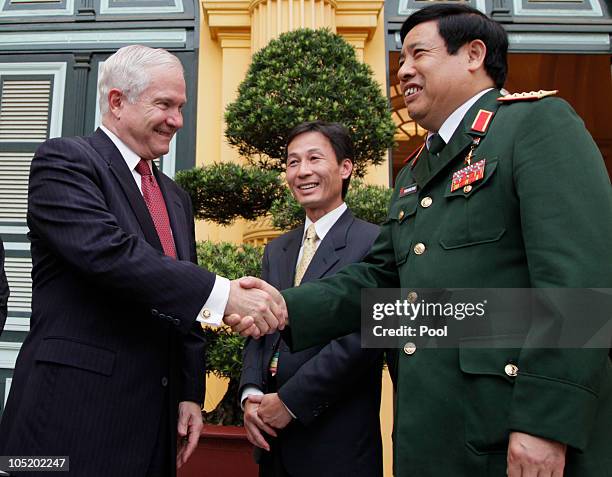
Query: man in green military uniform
(537, 212)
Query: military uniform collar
(460, 139)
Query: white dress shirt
(213, 310)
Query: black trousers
(161, 460)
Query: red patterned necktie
(157, 207)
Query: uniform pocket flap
(403, 208)
(76, 354)
(490, 354)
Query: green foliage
(302, 76)
(224, 353)
(223, 192)
(367, 202)
(230, 260)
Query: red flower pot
(223, 451)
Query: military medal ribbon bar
(468, 175)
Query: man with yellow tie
(315, 412)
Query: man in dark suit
(492, 201)
(115, 344)
(323, 403)
(4, 289)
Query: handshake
(254, 308)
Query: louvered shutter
(18, 272)
(25, 106)
(24, 110)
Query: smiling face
(148, 124)
(434, 83)
(314, 174)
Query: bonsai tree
(224, 348)
(301, 76)
(223, 192)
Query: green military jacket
(540, 217)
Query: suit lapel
(105, 147)
(178, 221)
(458, 143)
(327, 252)
(291, 250)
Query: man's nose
(175, 119)
(406, 71)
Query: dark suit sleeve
(328, 377)
(4, 290)
(68, 210)
(252, 355)
(193, 359)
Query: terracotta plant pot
(223, 451)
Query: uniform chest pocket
(400, 218)
(474, 213)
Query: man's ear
(476, 51)
(346, 167)
(115, 102)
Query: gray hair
(128, 69)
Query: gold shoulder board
(530, 96)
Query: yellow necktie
(310, 247)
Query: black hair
(338, 136)
(460, 24)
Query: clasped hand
(254, 308)
(264, 414)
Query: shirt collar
(325, 223)
(451, 124)
(129, 156)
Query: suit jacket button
(176, 321)
(164, 381)
(511, 370)
(154, 312)
(426, 202)
(412, 297)
(410, 348)
(419, 248)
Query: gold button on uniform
(467, 189)
(401, 215)
(511, 369)
(426, 202)
(412, 297)
(419, 248)
(409, 348)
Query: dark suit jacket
(113, 343)
(4, 289)
(334, 390)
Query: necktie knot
(311, 232)
(143, 168)
(436, 144)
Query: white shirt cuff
(213, 310)
(249, 390)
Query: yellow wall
(230, 31)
